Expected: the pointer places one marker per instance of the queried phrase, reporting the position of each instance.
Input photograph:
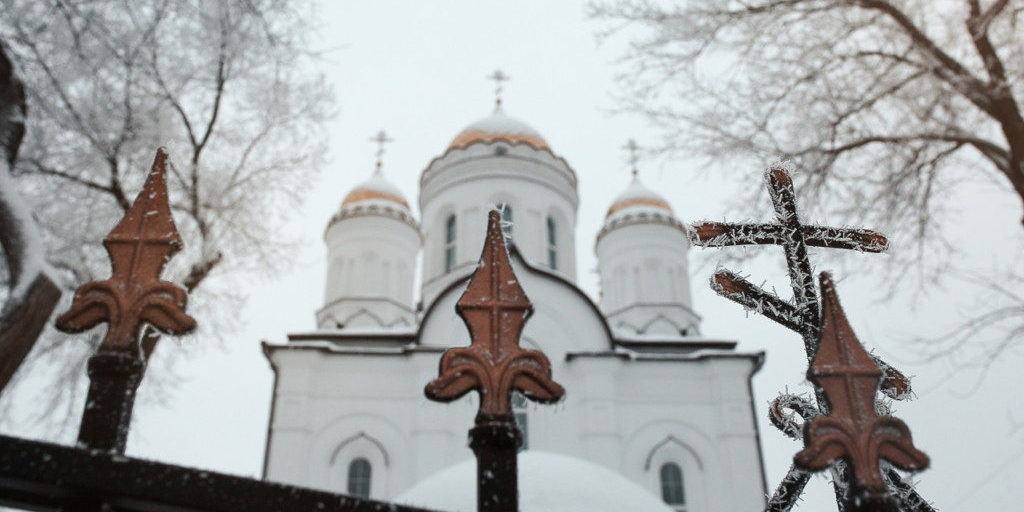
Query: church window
(449, 243)
(519, 411)
(506, 219)
(672, 484)
(359, 478)
(552, 245)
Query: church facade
(647, 396)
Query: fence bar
(495, 440)
(114, 378)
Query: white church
(655, 416)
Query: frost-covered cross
(498, 78)
(381, 139)
(634, 154)
(800, 315)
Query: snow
(378, 183)
(547, 482)
(637, 190)
(499, 123)
(31, 252)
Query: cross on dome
(498, 76)
(381, 139)
(634, 156)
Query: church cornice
(375, 209)
(638, 305)
(701, 355)
(501, 140)
(640, 217)
(651, 344)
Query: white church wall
(619, 413)
(644, 280)
(371, 259)
(651, 253)
(469, 182)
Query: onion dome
(499, 126)
(638, 196)
(377, 188)
(375, 197)
(638, 205)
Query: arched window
(359, 478)
(506, 219)
(552, 244)
(449, 243)
(672, 484)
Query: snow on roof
(638, 195)
(376, 188)
(547, 483)
(498, 126)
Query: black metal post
(114, 377)
(496, 440)
(860, 501)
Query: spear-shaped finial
(494, 308)
(853, 429)
(138, 247)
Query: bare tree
(884, 106)
(33, 294)
(226, 86)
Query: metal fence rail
(43, 476)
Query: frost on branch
(32, 294)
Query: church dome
(637, 195)
(547, 483)
(499, 126)
(377, 188)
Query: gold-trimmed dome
(377, 188)
(499, 126)
(638, 195)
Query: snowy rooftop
(377, 188)
(499, 126)
(637, 195)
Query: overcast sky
(418, 69)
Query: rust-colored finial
(138, 247)
(853, 429)
(494, 308)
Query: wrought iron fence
(846, 428)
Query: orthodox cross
(853, 429)
(634, 154)
(381, 139)
(498, 78)
(801, 315)
(494, 308)
(138, 247)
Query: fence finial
(852, 429)
(494, 308)
(138, 247)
